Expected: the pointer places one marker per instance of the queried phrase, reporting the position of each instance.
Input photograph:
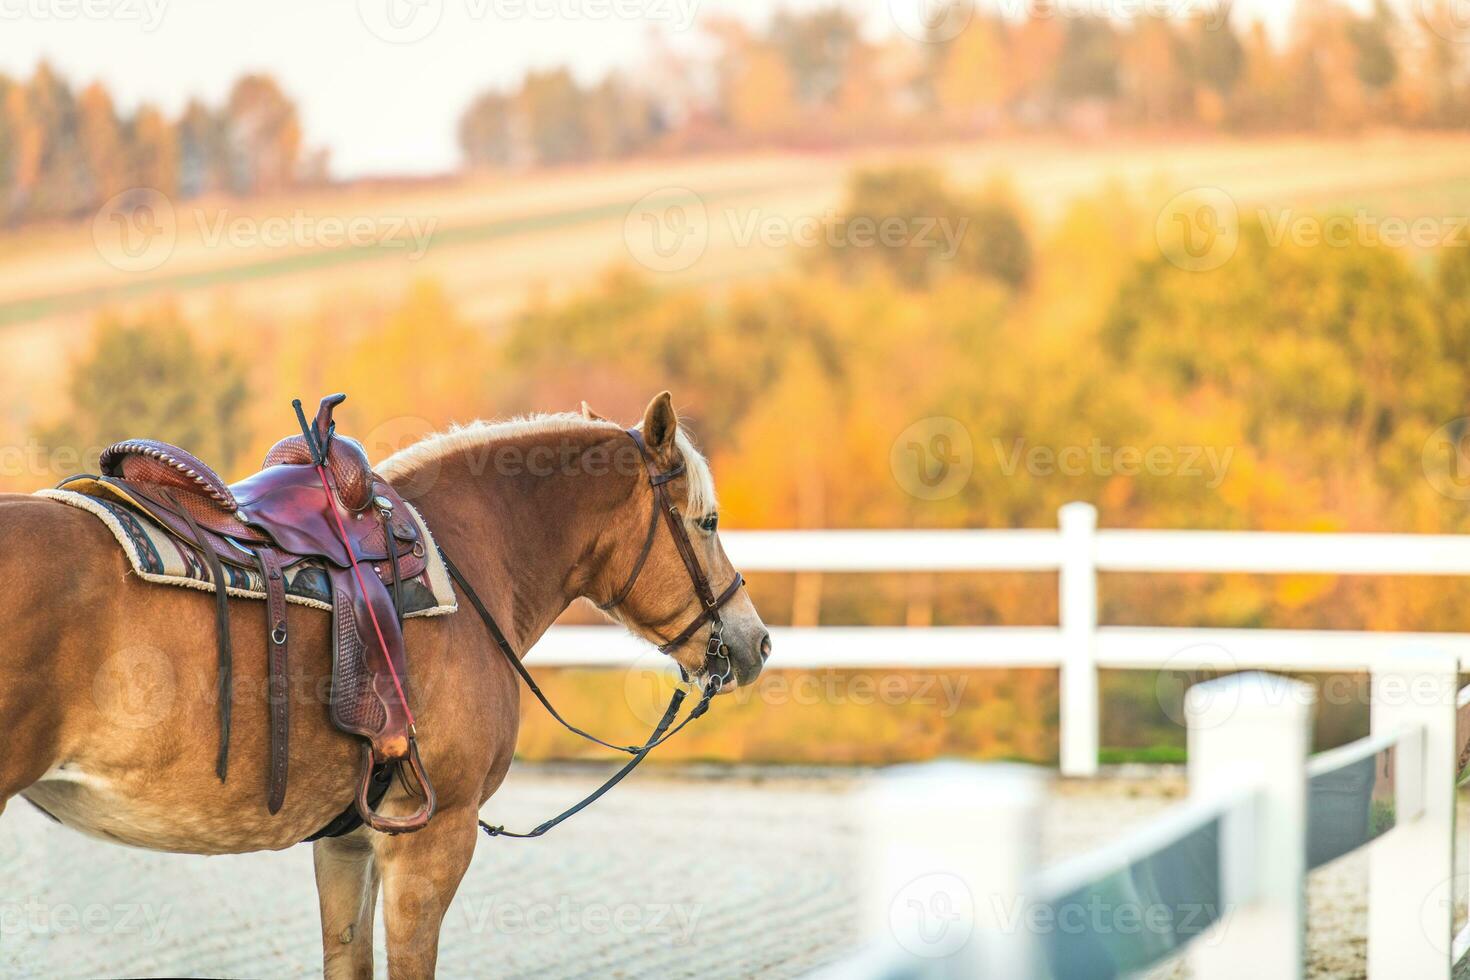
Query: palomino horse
(106, 682)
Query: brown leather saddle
(339, 515)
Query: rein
(710, 613)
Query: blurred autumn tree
(552, 119)
(150, 378)
(906, 223)
(64, 154)
(814, 78)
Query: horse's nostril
(766, 647)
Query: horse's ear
(660, 423)
(590, 415)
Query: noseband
(715, 648)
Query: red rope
(362, 586)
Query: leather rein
(715, 649)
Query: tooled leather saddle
(316, 499)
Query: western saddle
(316, 499)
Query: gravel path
(675, 874)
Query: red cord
(342, 530)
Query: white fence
(953, 888)
(1078, 551)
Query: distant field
(497, 240)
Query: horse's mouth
(722, 675)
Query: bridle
(715, 648)
(711, 604)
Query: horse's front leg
(347, 888)
(421, 872)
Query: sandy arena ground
(677, 873)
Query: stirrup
(396, 825)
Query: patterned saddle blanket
(158, 555)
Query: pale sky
(381, 83)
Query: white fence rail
(1077, 646)
(953, 888)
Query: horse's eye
(710, 523)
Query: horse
(108, 692)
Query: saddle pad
(158, 556)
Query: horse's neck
(526, 545)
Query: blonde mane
(479, 434)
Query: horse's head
(666, 575)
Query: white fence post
(952, 848)
(1251, 733)
(1410, 869)
(1078, 616)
